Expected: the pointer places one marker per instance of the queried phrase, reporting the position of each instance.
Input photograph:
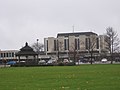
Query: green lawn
(83, 77)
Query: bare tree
(113, 42)
(73, 52)
(38, 47)
(92, 45)
(75, 49)
(59, 48)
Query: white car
(104, 60)
(42, 62)
(51, 62)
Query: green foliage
(83, 77)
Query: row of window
(89, 44)
(76, 45)
(7, 54)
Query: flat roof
(75, 34)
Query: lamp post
(37, 41)
(37, 46)
(37, 50)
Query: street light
(37, 50)
(37, 42)
(37, 46)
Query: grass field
(83, 77)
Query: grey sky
(26, 20)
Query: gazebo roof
(26, 51)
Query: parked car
(65, 61)
(11, 63)
(42, 62)
(104, 60)
(51, 62)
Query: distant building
(25, 54)
(77, 42)
(8, 55)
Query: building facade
(8, 55)
(71, 45)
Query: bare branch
(112, 40)
(38, 47)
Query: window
(4, 54)
(87, 43)
(55, 45)
(1, 54)
(7, 55)
(66, 44)
(97, 43)
(47, 45)
(77, 44)
(12, 54)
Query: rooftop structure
(76, 34)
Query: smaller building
(8, 55)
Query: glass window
(1, 54)
(77, 44)
(55, 45)
(87, 43)
(97, 43)
(6, 54)
(47, 45)
(66, 44)
(12, 54)
(9, 54)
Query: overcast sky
(27, 20)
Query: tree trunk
(111, 59)
(91, 58)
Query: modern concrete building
(77, 44)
